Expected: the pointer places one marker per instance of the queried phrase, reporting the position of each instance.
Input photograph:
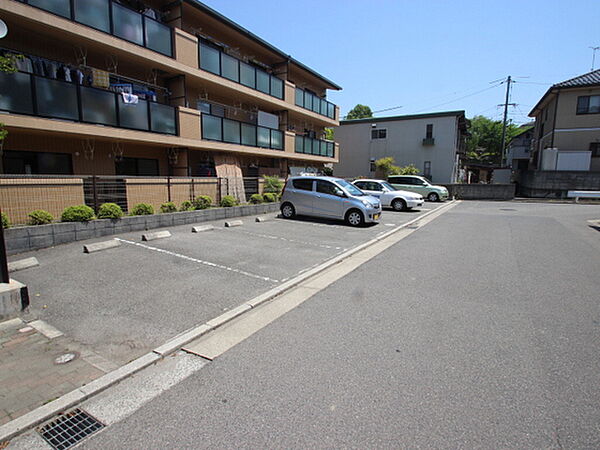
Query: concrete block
(202, 228)
(211, 214)
(263, 219)
(230, 212)
(219, 213)
(233, 223)
(17, 245)
(41, 230)
(165, 220)
(16, 233)
(81, 235)
(156, 235)
(22, 264)
(46, 329)
(99, 246)
(12, 301)
(41, 241)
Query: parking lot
(127, 300)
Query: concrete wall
(481, 191)
(556, 184)
(404, 143)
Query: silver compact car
(389, 196)
(328, 197)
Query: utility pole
(594, 56)
(508, 81)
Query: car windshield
(352, 190)
(388, 185)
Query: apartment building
(433, 142)
(153, 87)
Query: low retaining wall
(481, 191)
(23, 239)
(555, 184)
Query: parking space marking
(268, 236)
(200, 261)
(313, 224)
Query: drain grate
(69, 429)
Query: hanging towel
(100, 78)
(23, 63)
(51, 68)
(129, 99)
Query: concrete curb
(22, 264)
(156, 235)
(234, 223)
(263, 219)
(99, 246)
(45, 412)
(202, 228)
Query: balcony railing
(24, 93)
(315, 104)
(215, 128)
(112, 18)
(226, 66)
(317, 147)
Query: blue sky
(425, 55)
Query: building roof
(211, 12)
(586, 80)
(406, 117)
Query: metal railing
(215, 128)
(315, 104)
(112, 18)
(25, 93)
(317, 147)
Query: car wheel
(399, 205)
(355, 218)
(288, 211)
(433, 197)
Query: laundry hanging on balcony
(129, 99)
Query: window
(588, 104)
(429, 131)
(360, 184)
(372, 167)
(18, 162)
(427, 169)
(379, 134)
(325, 187)
(137, 167)
(303, 184)
(595, 149)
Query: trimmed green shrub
(202, 202)
(270, 197)
(110, 211)
(186, 205)
(5, 221)
(79, 213)
(256, 199)
(141, 209)
(327, 171)
(168, 207)
(228, 201)
(39, 217)
(272, 184)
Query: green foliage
(7, 63)
(484, 145)
(5, 221)
(272, 184)
(387, 167)
(228, 201)
(79, 213)
(329, 134)
(359, 112)
(255, 199)
(168, 207)
(327, 171)
(3, 132)
(141, 209)
(110, 211)
(186, 205)
(39, 217)
(270, 197)
(202, 202)
(411, 169)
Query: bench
(583, 194)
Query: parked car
(328, 197)
(389, 196)
(419, 185)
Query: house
(163, 87)
(518, 150)
(434, 143)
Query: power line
(460, 98)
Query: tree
(359, 112)
(386, 166)
(329, 134)
(484, 145)
(411, 169)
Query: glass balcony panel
(247, 75)
(93, 13)
(276, 87)
(158, 37)
(299, 97)
(277, 139)
(209, 59)
(211, 128)
(248, 135)
(330, 147)
(264, 137)
(127, 24)
(162, 118)
(299, 144)
(56, 99)
(323, 151)
(98, 106)
(60, 7)
(15, 93)
(331, 110)
(133, 115)
(307, 146)
(230, 68)
(316, 107)
(315, 147)
(308, 98)
(262, 81)
(323, 107)
(231, 131)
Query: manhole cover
(66, 358)
(69, 429)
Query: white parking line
(312, 224)
(199, 261)
(268, 236)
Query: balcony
(428, 141)
(316, 147)
(215, 61)
(24, 93)
(315, 104)
(112, 18)
(215, 128)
